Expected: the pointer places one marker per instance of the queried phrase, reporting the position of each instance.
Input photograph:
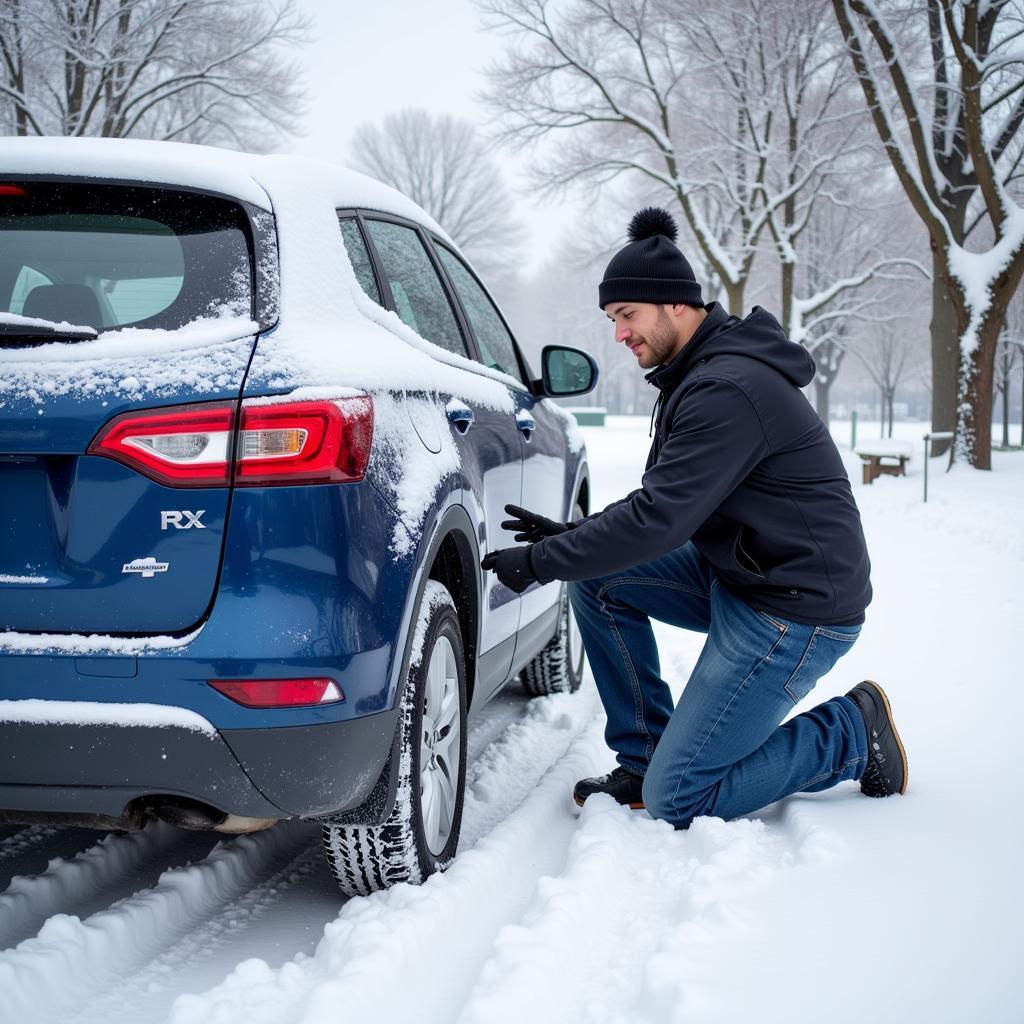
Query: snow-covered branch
(946, 180)
(124, 67)
(813, 303)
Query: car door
(487, 439)
(541, 433)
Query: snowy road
(827, 907)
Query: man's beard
(661, 342)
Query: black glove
(531, 526)
(512, 566)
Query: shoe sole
(632, 807)
(892, 726)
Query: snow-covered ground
(830, 907)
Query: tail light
(288, 443)
(13, 190)
(305, 442)
(188, 446)
(279, 693)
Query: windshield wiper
(14, 333)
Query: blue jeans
(721, 750)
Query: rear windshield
(105, 256)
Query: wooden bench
(887, 458)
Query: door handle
(461, 416)
(526, 426)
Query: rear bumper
(100, 769)
(346, 617)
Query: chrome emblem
(146, 567)
(173, 518)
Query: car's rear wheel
(422, 833)
(559, 666)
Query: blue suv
(259, 420)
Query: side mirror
(566, 371)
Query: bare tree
(442, 163)
(738, 113)
(885, 355)
(972, 148)
(828, 360)
(192, 70)
(621, 80)
(1007, 355)
(826, 207)
(844, 280)
(1020, 344)
(1010, 358)
(807, 86)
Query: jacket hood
(758, 336)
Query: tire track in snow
(622, 923)
(537, 741)
(102, 868)
(115, 866)
(148, 994)
(20, 839)
(504, 773)
(267, 915)
(615, 924)
(27, 850)
(71, 960)
(518, 825)
(264, 914)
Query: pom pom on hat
(650, 267)
(650, 221)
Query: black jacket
(742, 466)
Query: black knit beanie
(650, 268)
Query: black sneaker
(886, 771)
(621, 785)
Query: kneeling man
(744, 529)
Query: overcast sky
(374, 57)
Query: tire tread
(368, 858)
(549, 671)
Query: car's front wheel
(422, 833)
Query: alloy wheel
(440, 746)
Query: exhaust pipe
(198, 817)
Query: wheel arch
(583, 494)
(580, 489)
(450, 557)
(454, 564)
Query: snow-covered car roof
(238, 175)
(331, 334)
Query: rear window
(112, 256)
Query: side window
(420, 299)
(496, 346)
(356, 249)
